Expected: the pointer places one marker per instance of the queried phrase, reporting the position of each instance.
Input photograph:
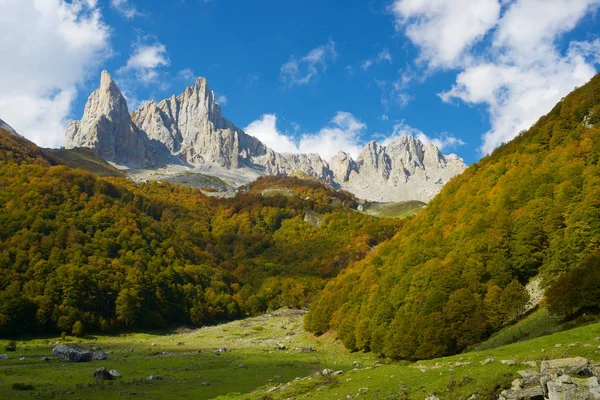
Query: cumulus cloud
(146, 61)
(507, 53)
(124, 8)
(341, 133)
(49, 49)
(265, 129)
(303, 70)
(445, 29)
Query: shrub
(11, 346)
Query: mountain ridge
(190, 130)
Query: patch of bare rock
(563, 379)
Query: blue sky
(308, 75)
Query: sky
(306, 75)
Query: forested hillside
(455, 273)
(81, 253)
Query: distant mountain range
(189, 130)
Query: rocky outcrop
(107, 127)
(274, 163)
(72, 354)
(567, 378)
(191, 126)
(405, 169)
(189, 129)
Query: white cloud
(265, 129)
(383, 55)
(124, 8)
(301, 71)
(187, 75)
(222, 100)
(507, 52)
(443, 141)
(146, 60)
(49, 48)
(341, 133)
(445, 29)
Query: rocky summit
(189, 130)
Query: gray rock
(72, 353)
(155, 378)
(220, 350)
(564, 366)
(102, 374)
(99, 355)
(531, 364)
(487, 361)
(3, 356)
(532, 393)
(508, 362)
(107, 128)
(114, 373)
(46, 359)
(528, 373)
(566, 387)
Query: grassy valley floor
(252, 368)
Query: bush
(11, 346)
(22, 386)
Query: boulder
(487, 361)
(564, 366)
(566, 387)
(508, 362)
(99, 355)
(114, 373)
(3, 357)
(46, 359)
(72, 353)
(155, 378)
(102, 374)
(532, 393)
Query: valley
(272, 357)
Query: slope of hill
(82, 252)
(455, 272)
(88, 159)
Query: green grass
(87, 159)
(251, 342)
(394, 210)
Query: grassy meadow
(252, 367)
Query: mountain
(107, 127)
(456, 272)
(404, 169)
(7, 128)
(189, 130)
(108, 253)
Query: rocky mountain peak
(106, 126)
(190, 127)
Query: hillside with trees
(83, 253)
(456, 272)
